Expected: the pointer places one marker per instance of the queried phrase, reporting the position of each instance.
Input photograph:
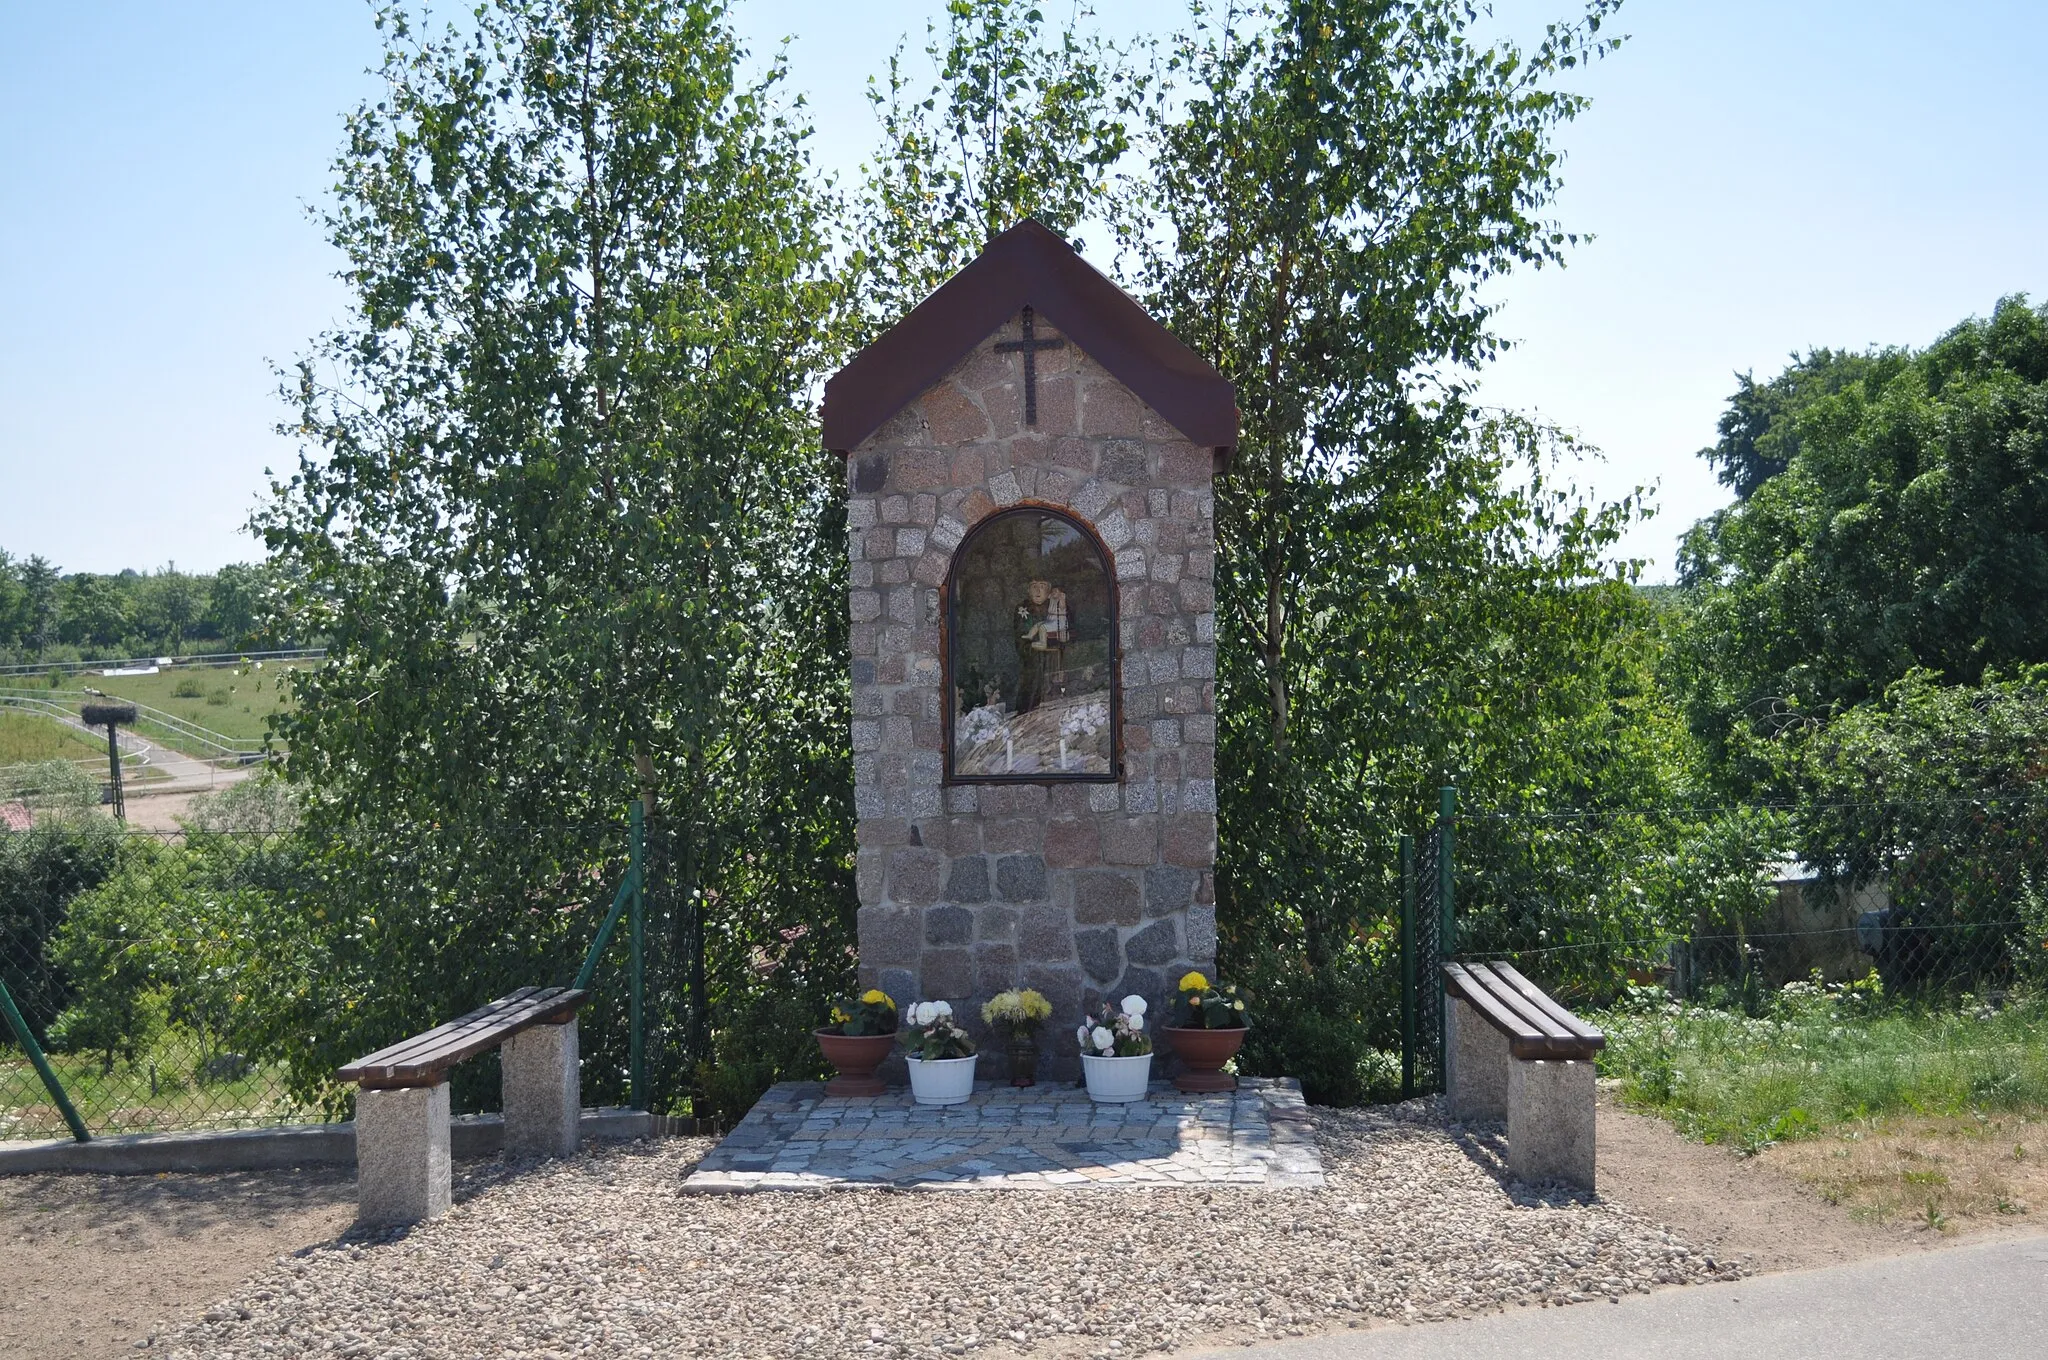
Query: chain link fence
(1724, 905)
(169, 980)
(1916, 904)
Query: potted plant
(1116, 1053)
(941, 1055)
(1209, 1029)
(1019, 1013)
(860, 1035)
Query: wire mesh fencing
(217, 975)
(118, 952)
(1724, 906)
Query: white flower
(923, 1013)
(944, 1008)
(1081, 1036)
(1136, 1022)
(1104, 1040)
(1134, 1004)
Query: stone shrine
(1030, 462)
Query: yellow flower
(838, 1016)
(875, 996)
(1194, 982)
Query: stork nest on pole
(107, 715)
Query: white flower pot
(942, 1081)
(1114, 1081)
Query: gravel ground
(602, 1256)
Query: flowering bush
(872, 1012)
(933, 1033)
(1116, 1032)
(1016, 1010)
(1206, 1006)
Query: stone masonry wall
(1083, 891)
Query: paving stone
(1048, 1138)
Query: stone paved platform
(1010, 1138)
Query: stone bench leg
(402, 1159)
(1550, 1122)
(543, 1091)
(1476, 1087)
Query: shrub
(52, 786)
(188, 688)
(41, 870)
(1321, 1027)
(767, 1040)
(116, 951)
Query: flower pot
(1113, 1081)
(942, 1081)
(1203, 1052)
(856, 1056)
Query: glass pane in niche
(1032, 651)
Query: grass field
(1926, 1113)
(25, 737)
(161, 1091)
(236, 702)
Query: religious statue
(1042, 629)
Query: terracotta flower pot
(856, 1056)
(1203, 1052)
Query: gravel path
(603, 1256)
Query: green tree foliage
(1760, 428)
(45, 613)
(1408, 592)
(564, 517)
(1937, 791)
(41, 870)
(95, 611)
(1908, 529)
(1019, 122)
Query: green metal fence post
(1447, 927)
(635, 1045)
(1407, 966)
(1446, 865)
(29, 1046)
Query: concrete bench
(402, 1153)
(1516, 1054)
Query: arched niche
(1031, 686)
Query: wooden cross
(1029, 345)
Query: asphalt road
(1989, 1299)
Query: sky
(1758, 179)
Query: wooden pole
(114, 773)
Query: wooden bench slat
(422, 1059)
(488, 1031)
(1536, 996)
(484, 1032)
(425, 1063)
(1535, 1025)
(404, 1048)
(502, 1018)
(1512, 997)
(1490, 1006)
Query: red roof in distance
(1029, 265)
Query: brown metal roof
(1029, 265)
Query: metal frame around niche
(948, 624)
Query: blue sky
(1760, 178)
